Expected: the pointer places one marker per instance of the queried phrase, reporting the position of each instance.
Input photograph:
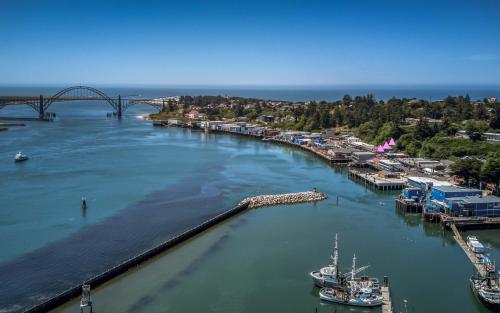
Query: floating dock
(471, 255)
(373, 180)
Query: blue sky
(335, 42)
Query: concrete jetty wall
(259, 201)
(134, 261)
(287, 198)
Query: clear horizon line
(266, 86)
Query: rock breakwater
(281, 199)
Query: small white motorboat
(20, 157)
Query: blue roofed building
(413, 193)
(440, 193)
(473, 206)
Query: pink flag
(386, 146)
(392, 142)
(380, 149)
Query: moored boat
(487, 290)
(360, 297)
(20, 157)
(328, 276)
(474, 244)
(355, 291)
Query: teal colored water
(146, 184)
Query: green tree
(490, 171)
(469, 168)
(423, 130)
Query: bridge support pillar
(41, 112)
(119, 113)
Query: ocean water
(290, 93)
(146, 184)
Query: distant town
(454, 139)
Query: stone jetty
(280, 199)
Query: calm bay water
(145, 185)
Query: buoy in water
(84, 203)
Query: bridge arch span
(89, 91)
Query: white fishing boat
(20, 157)
(328, 276)
(354, 292)
(474, 244)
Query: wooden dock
(471, 255)
(467, 223)
(373, 180)
(386, 294)
(408, 206)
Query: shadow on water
(410, 219)
(176, 281)
(40, 274)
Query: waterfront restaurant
(473, 206)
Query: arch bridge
(76, 93)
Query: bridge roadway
(75, 93)
(13, 100)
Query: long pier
(471, 255)
(123, 267)
(386, 294)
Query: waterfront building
(413, 193)
(339, 153)
(362, 156)
(440, 193)
(390, 165)
(426, 183)
(361, 145)
(473, 206)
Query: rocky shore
(281, 199)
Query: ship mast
(352, 274)
(336, 256)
